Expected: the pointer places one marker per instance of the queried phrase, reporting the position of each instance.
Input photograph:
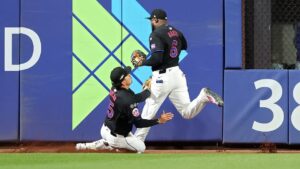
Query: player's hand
(137, 58)
(147, 84)
(165, 117)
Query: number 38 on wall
(270, 103)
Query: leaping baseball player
(166, 43)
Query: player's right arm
(184, 42)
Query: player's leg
(181, 100)
(130, 142)
(179, 96)
(159, 92)
(134, 144)
(101, 144)
(95, 145)
(188, 109)
(150, 109)
(114, 140)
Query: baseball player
(166, 43)
(122, 114)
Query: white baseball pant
(118, 141)
(172, 83)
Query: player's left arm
(164, 117)
(157, 51)
(155, 59)
(140, 97)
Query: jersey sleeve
(156, 43)
(140, 97)
(141, 123)
(184, 42)
(157, 50)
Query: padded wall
(9, 80)
(257, 106)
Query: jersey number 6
(174, 50)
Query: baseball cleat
(80, 146)
(213, 97)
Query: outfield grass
(145, 161)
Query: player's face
(127, 80)
(153, 24)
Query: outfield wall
(9, 81)
(57, 56)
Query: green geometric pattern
(79, 73)
(85, 99)
(95, 35)
(103, 72)
(99, 21)
(128, 46)
(84, 45)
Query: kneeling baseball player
(122, 114)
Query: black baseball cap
(158, 14)
(118, 74)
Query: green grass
(145, 161)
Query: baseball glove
(147, 84)
(137, 58)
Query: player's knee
(141, 148)
(187, 116)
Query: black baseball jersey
(169, 41)
(123, 111)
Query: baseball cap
(158, 14)
(118, 74)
